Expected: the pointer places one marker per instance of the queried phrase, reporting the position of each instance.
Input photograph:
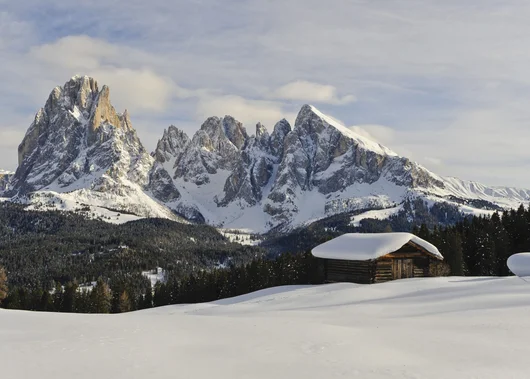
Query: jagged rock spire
(66, 141)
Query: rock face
(78, 142)
(76, 135)
(81, 150)
(293, 175)
(171, 145)
(5, 178)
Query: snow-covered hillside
(434, 328)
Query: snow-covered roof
(368, 246)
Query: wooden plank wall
(349, 271)
(386, 271)
(380, 270)
(383, 272)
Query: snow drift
(519, 264)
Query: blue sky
(444, 83)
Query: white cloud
(378, 133)
(12, 31)
(433, 161)
(132, 86)
(488, 145)
(302, 90)
(11, 138)
(142, 90)
(453, 92)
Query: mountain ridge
(79, 150)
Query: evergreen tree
(100, 297)
(453, 253)
(58, 297)
(69, 297)
(46, 302)
(125, 303)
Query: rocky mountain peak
(261, 130)
(67, 139)
(171, 145)
(82, 90)
(126, 120)
(310, 119)
(235, 131)
(5, 178)
(262, 136)
(277, 138)
(103, 113)
(80, 147)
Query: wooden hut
(376, 257)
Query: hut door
(403, 268)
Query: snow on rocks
(223, 176)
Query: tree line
(476, 246)
(480, 246)
(131, 292)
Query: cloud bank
(445, 83)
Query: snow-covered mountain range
(80, 153)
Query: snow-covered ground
(377, 214)
(241, 236)
(98, 205)
(416, 328)
(156, 275)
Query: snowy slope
(434, 328)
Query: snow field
(418, 328)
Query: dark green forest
(47, 255)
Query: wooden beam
(423, 250)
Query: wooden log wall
(383, 272)
(350, 271)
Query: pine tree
(3, 284)
(147, 299)
(70, 291)
(101, 297)
(125, 303)
(58, 297)
(454, 256)
(46, 302)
